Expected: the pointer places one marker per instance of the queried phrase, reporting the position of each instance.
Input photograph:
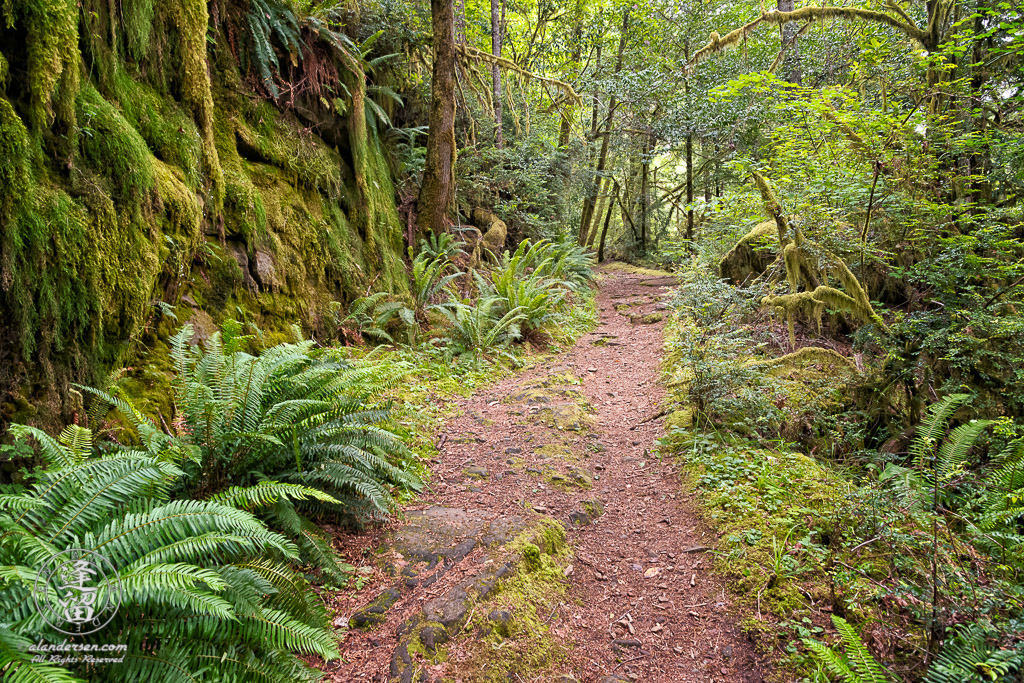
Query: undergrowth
(812, 538)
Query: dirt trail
(563, 441)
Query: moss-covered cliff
(165, 161)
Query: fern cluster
(523, 292)
(251, 430)
(297, 48)
(856, 664)
(202, 583)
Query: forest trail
(572, 440)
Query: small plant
(441, 246)
(856, 665)
(430, 283)
(481, 329)
(971, 657)
(372, 315)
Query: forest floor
(629, 594)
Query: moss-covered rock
(114, 177)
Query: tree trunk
(437, 193)
(791, 61)
(607, 221)
(689, 186)
(718, 170)
(603, 200)
(568, 111)
(459, 16)
(645, 190)
(602, 159)
(499, 139)
(707, 174)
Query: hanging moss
(51, 36)
(138, 26)
(181, 217)
(244, 211)
(285, 144)
(96, 226)
(169, 132)
(113, 147)
(801, 258)
(192, 21)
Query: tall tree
(591, 201)
(791, 60)
(437, 193)
(496, 37)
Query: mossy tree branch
(929, 38)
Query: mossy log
(808, 355)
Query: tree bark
(607, 221)
(602, 159)
(689, 186)
(496, 37)
(437, 193)
(791, 61)
(645, 190)
(568, 111)
(604, 197)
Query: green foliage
(430, 285)
(971, 656)
(537, 278)
(482, 328)
(373, 314)
(534, 295)
(430, 282)
(201, 581)
(856, 665)
(270, 21)
(442, 245)
(288, 417)
(711, 349)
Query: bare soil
(549, 442)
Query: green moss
(523, 648)
(555, 450)
(138, 26)
(622, 267)
(181, 219)
(531, 557)
(280, 141)
(51, 35)
(168, 130)
(191, 19)
(114, 148)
